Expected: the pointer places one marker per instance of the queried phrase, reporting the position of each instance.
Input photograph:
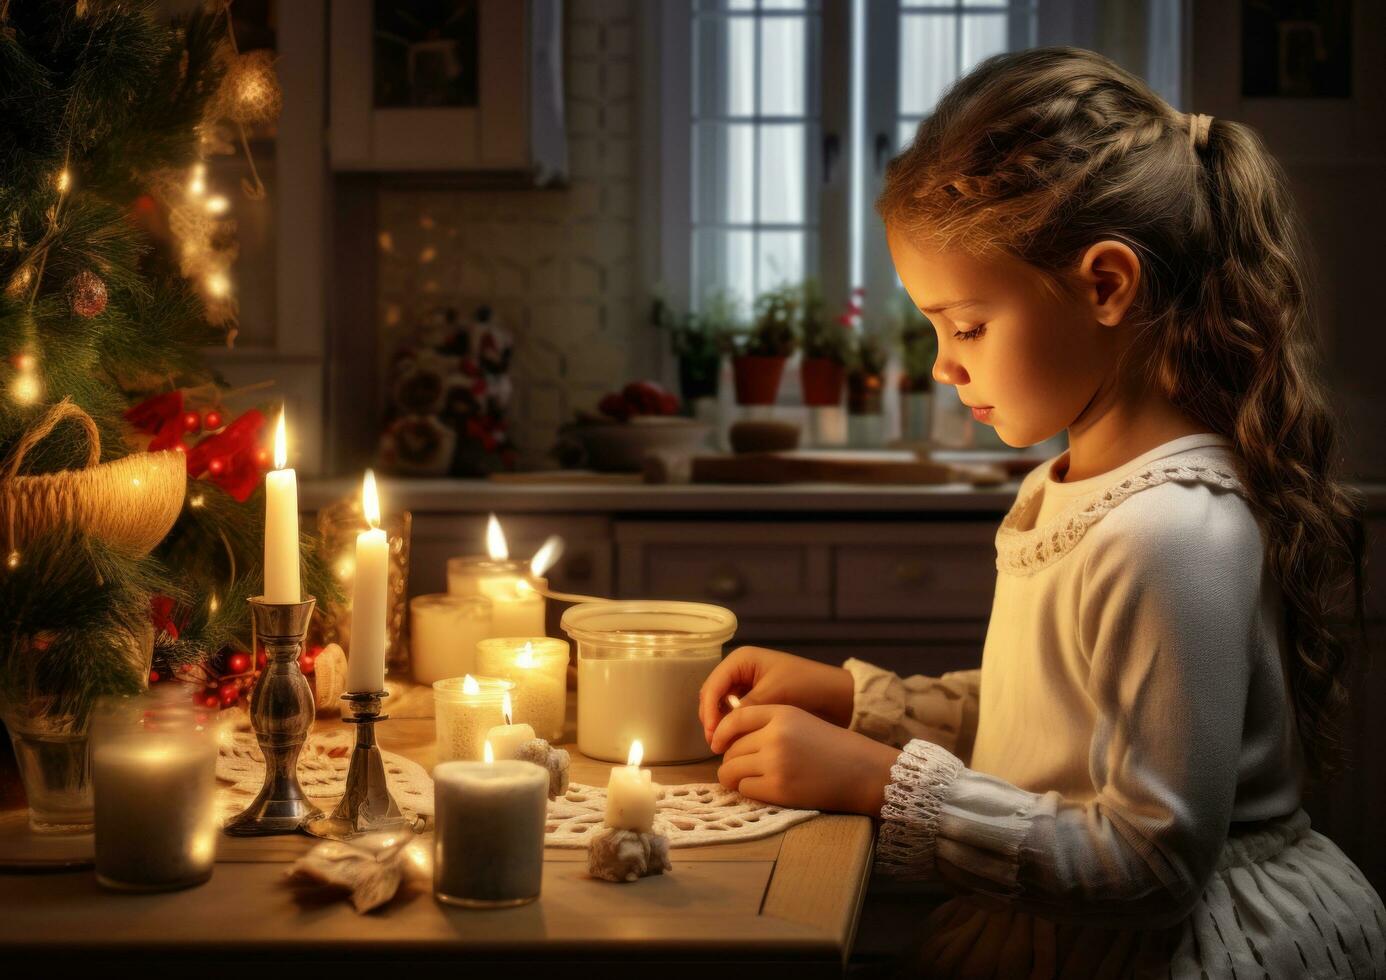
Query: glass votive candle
(539, 667)
(464, 710)
(489, 832)
(154, 779)
(518, 609)
(443, 633)
(641, 664)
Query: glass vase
(51, 751)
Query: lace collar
(1024, 552)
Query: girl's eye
(973, 334)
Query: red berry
(210, 701)
(153, 677)
(230, 693)
(192, 421)
(212, 420)
(217, 466)
(305, 662)
(238, 663)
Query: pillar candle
(489, 836)
(539, 667)
(631, 795)
(505, 740)
(366, 662)
(444, 631)
(281, 526)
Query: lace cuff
(920, 779)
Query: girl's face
(1026, 360)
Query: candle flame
(525, 658)
(547, 556)
(506, 709)
(488, 753)
(281, 447)
(495, 540)
(370, 500)
(637, 753)
(470, 686)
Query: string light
(26, 388)
(63, 180)
(198, 185)
(13, 560)
(217, 204)
(218, 285)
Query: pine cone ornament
(86, 294)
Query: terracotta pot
(757, 378)
(822, 379)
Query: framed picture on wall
(463, 86)
(1297, 48)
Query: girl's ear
(1109, 274)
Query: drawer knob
(910, 571)
(726, 584)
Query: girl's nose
(949, 372)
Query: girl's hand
(784, 755)
(760, 676)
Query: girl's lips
(982, 414)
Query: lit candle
(631, 794)
(281, 526)
(154, 782)
(504, 741)
(366, 664)
(539, 667)
(464, 710)
(489, 836)
(512, 586)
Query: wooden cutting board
(843, 468)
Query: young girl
(1117, 791)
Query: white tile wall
(556, 265)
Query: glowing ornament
(250, 91)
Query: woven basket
(128, 503)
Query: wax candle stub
(631, 794)
(504, 741)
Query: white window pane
(928, 60)
(724, 154)
(783, 171)
(726, 66)
(983, 35)
(724, 260)
(783, 49)
(994, 4)
(905, 136)
(779, 259)
(783, 4)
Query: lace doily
(322, 771)
(1024, 552)
(689, 815)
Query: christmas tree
(113, 260)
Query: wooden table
(792, 898)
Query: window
(776, 119)
(753, 121)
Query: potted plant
(759, 363)
(698, 340)
(823, 368)
(918, 348)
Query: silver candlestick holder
(281, 712)
(367, 805)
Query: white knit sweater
(1130, 710)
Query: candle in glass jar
(464, 710)
(539, 667)
(504, 741)
(154, 786)
(489, 836)
(366, 662)
(641, 664)
(444, 631)
(281, 526)
(631, 794)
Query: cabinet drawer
(948, 572)
(755, 572)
